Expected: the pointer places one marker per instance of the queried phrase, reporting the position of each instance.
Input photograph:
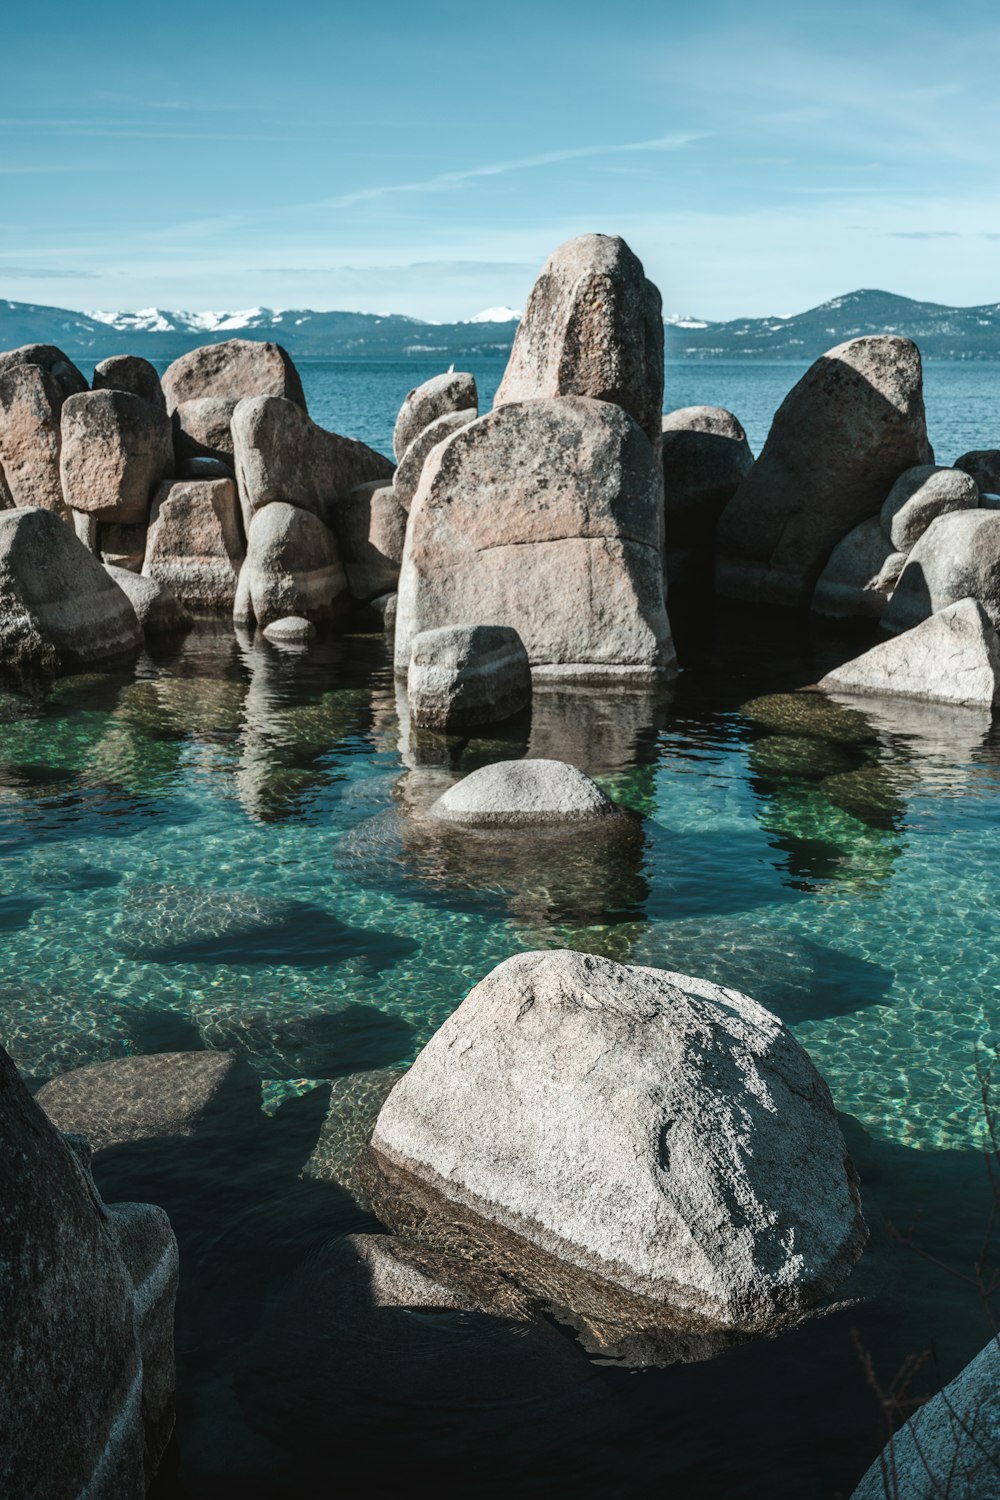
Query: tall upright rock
(838, 443)
(593, 327)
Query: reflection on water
(228, 847)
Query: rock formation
(194, 545)
(232, 370)
(957, 557)
(128, 372)
(292, 567)
(463, 675)
(444, 394)
(919, 496)
(116, 448)
(951, 657)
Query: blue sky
(425, 158)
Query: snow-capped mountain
(497, 315)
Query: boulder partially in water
(546, 517)
(194, 545)
(463, 675)
(958, 557)
(58, 606)
(86, 1318)
(641, 1147)
(839, 441)
(132, 373)
(30, 437)
(290, 630)
(705, 457)
(158, 611)
(952, 657)
(292, 567)
(592, 327)
(452, 392)
(116, 449)
(522, 793)
(232, 370)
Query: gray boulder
(705, 457)
(546, 517)
(52, 361)
(194, 545)
(838, 443)
(30, 439)
(281, 456)
(860, 575)
(370, 526)
(129, 372)
(58, 607)
(523, 793)
(116, 448)
(86, 1318)
(119, 546)
(202, 429)
(411, 465)
(443, 394)
(958, 557)
(292, 567)
(921, 495)
(983, 464)
(951, 1446)
(292, 630)
(463, 675)
(592, 327)
(590, 1126)
(232, 370)
(951, 657)
(158, 611)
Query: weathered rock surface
(46, 357)
(411, 465)
(861, 573)
(129, 372)
(983, 464)
(158, 611)
(705, 457)
(232, 370)
(463, 675)
(292, 567)
(370, 526)
(624, 1134)
(119, 546)
(116, 448)
(30, 438)
(951, 657)
(951, 1446)
(592, 327)
(521, 793)
(281, 456)
(921, 495)
(86, 1318)
(202, 429)
(58, 607)
(437, 397)
(838, 443)
(194, 545)
(958, 557)
(293, 629)
(545, 517)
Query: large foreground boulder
(292, 567)
(951, 1446)
(593, 327)
(232, 370)
(958, 557)
(58, 606)
(194, 545)
(859, 576)
(442, 395)
(30, 439)
(116, 448)
(705, 457)
(463, 675)
(132, 373)
(544, 517)
(921, 495)
(637, 1144)
(281, 455)
(69, 381)
(951, 657)
(86, 1318)
(839, 441)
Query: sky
(760, 158)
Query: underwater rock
(786, 755)
(921, 495)
(958, 557)
(523, 793)
(809, 714)
(443, 394)
(131, 373)
(873, 794)
(951, 657)
(463, 675)
(623, 1142)
(355, 1101)
(116, 449)
(86, 1318)
(50, 1031)
(282, 1040)
(232, 370)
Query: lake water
(217, 848)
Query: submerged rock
(438, 397)
(290, 629)
(592, 327)
(351, 1114)
(921, 495)
(958, 557)
(545, 517)
(521, 793)
(839, 441)
(129, 372)
(194, 545)
(292, 567)
(86, 1318)
(463, 675)
(116, 449)
(952, 657)
(641, 1147)
(809, 714)
(232, 370)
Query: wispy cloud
(923, 234)
(445, 181)
(48, 273)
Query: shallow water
(222, 848)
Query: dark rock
(983, 464)
(809, 714)
(705, 457)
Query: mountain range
(970, 333)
